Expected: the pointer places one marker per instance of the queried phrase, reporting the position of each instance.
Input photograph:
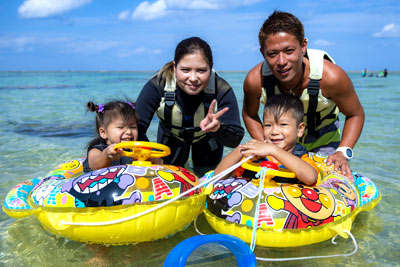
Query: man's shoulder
(256, 70)
(333, 76)
(253, 78)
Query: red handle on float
(269, 164)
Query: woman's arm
(230, 132)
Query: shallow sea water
(43, 122)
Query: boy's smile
(284, 132)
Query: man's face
(284, 56)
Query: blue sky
(142, 35)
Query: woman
(192, 103)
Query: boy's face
(284, 132)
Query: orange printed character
(307, 206)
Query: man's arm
(251, 102)
(337, 86)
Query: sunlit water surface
(43, 122)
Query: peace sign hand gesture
(211, 122)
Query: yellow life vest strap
(316, 61)
(171, 115)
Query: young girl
(116, 122)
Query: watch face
(349, 153)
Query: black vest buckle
(169, 98)
(187, 133)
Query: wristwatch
(346, 151)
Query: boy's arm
(230, 160)
(304, 171)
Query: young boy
(283, 124)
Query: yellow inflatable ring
(290, 214)
(114, 206)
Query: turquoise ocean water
(43, 122)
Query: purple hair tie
(101, 108)
(130, 104)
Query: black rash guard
(207, 151)
(100, 144)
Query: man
(324, 88)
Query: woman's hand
(211, 122)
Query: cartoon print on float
(226, 192)
(40, 192)
(347, 193)
(101, 188)
(69, 166)
(173, 174)
(64, 171)
(307, 206)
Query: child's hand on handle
(112, 154)
(211, 122)
(257, 148)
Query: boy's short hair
(280, 104)
(280, 21)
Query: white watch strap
(345, 150)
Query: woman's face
(192, 73)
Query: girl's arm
(304, 171)
(101, 159)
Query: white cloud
(123, 53)
(389, 30)
(323, 43)
(143, 50)
(26, 43)
(48, 8)
(196, 4)
(91, 47)
(147, 11)
(160, 8)
(248, 49)
(124, 15)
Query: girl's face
(192, 73)
(284, 132)
(119, 131)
